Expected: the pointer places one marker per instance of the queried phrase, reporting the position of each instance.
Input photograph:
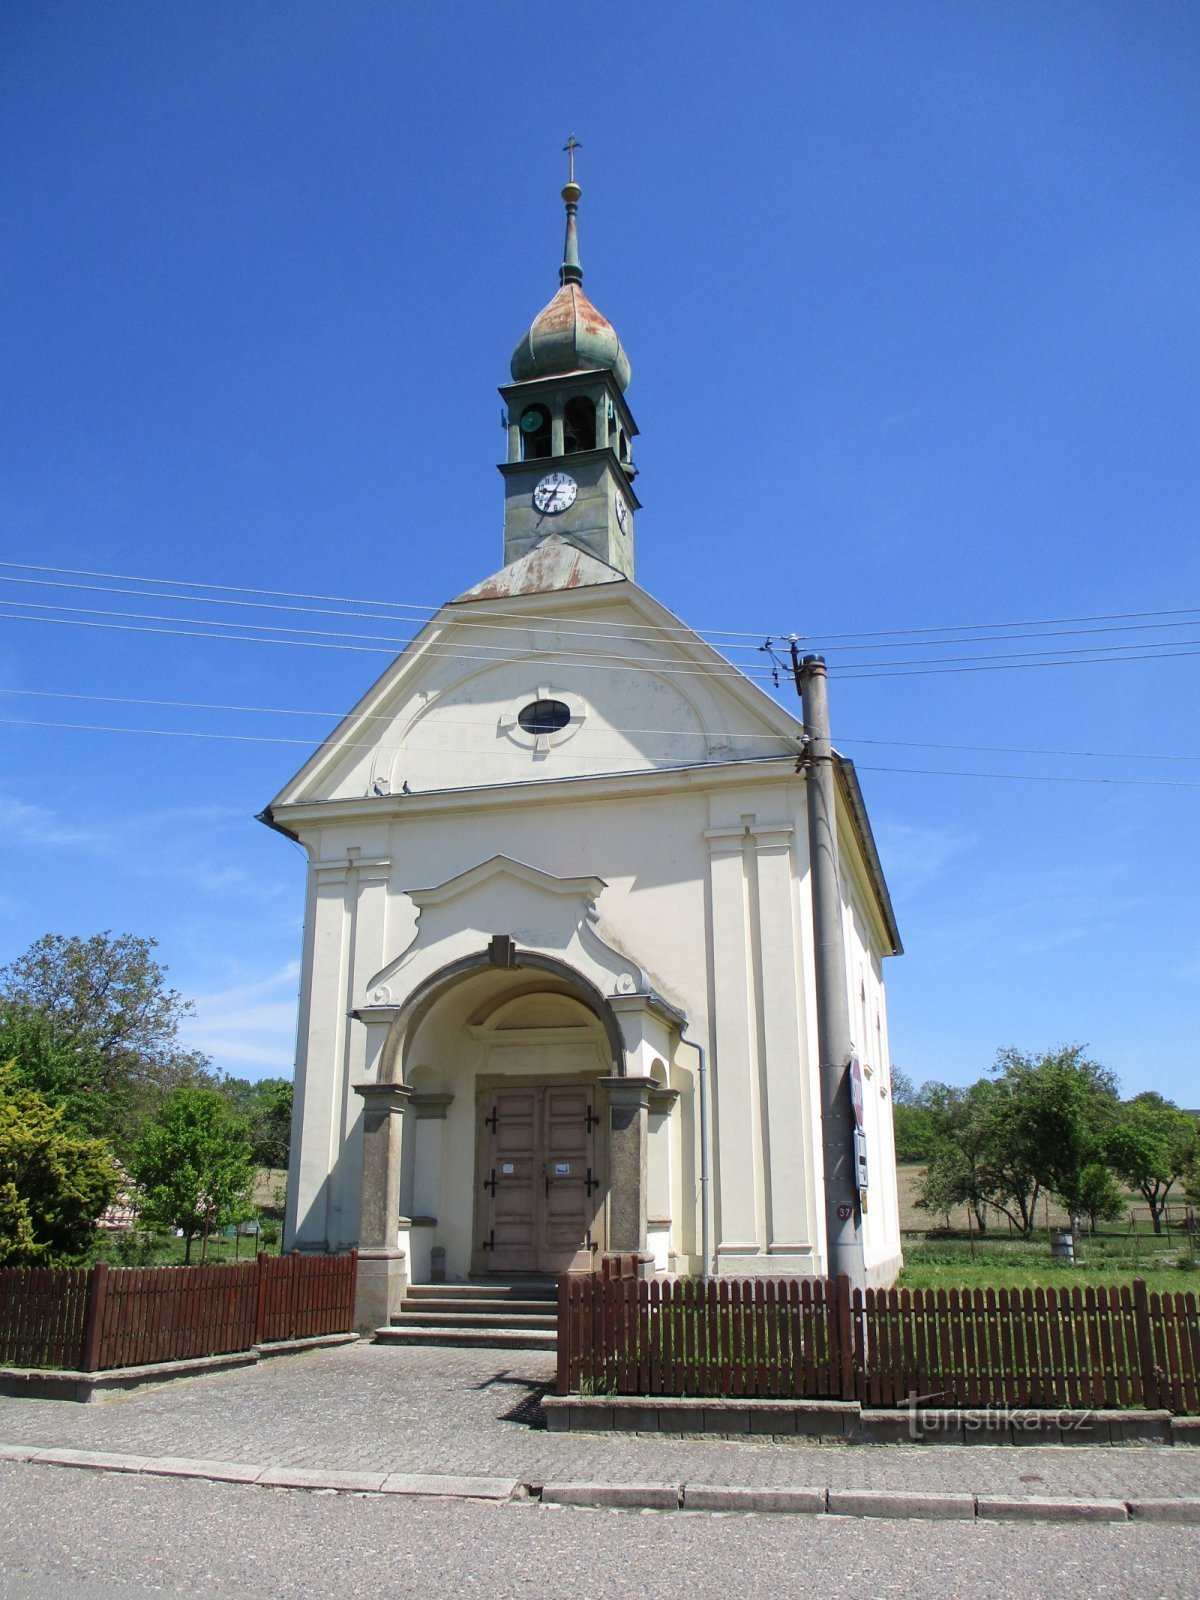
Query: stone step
(536, 1290)
(495, 1310)
(463, 1338)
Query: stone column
(381, 1262)
(628, 1103)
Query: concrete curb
(265, 1477)
(849, 1422)
(736, 1498)
(48, 1383)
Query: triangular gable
(647, 690)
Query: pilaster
(628, 1103)
(736, 1156)
(381, 1262)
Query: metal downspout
(705, 1225)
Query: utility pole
(843, 1228)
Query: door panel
(541, 1191)
(514, 1172)
(569, 1211)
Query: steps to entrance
(518, 1315)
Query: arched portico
(513, 1137)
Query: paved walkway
(473, 1413)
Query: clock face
(555, 493)
(622, 514)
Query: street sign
(856, 1091)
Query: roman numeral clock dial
(555, 493)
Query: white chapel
(559, 993)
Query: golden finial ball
(572, 191)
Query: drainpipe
(705, 1231)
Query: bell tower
(570, 464)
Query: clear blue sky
(910, 293)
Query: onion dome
(570, 335)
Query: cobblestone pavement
(379, 1408)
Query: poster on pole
(856, 1090)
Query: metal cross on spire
(570, 147)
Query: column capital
(431, 1105)
(384, 1099)
(624, 1091)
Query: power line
(1019, 666)
(362, 717)
(498, 625)
(1062, 654)
(426, 610)
(522, 657)
(601, 624)
(694, 733)
(460, 621)
(250, 738)
(1027, 622)
(1037, 777)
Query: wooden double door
(540, 1195)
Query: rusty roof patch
(553, 564)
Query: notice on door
(507, 1168)
(562, 1169)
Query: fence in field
(90, 1320)
(815, 1338)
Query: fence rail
(814, 1338)
(93, 1320)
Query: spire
(571, 271)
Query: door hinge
(591, 1120)
(591, 1184)
(492, 1122)
(490, 1242)
(490, 1183)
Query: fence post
(845, 1337)
(260, 1298)
(93, 1319)
(562, 1384)
(294, 1295)
(1145, 1339)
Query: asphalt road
(71, 1534)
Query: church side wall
(865, 944)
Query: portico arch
(503, 956)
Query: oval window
(544, 716)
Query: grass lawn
(1005, 1262)
(164, 1250)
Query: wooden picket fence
(91, 1320)
(793, 1339)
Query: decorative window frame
(510, 727)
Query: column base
(643, 1261)
(382, 1280)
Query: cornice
(656, 781)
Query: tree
(1152, 1146)
(92, 1019)
(53, 1185)
(267, 1107)
(193, 1164)
(1038, 1124)
(959, 1121)
(1057, 1110)
(912, 1119)
(67, 1072)
(1099, 1197)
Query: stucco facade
(558, 987)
